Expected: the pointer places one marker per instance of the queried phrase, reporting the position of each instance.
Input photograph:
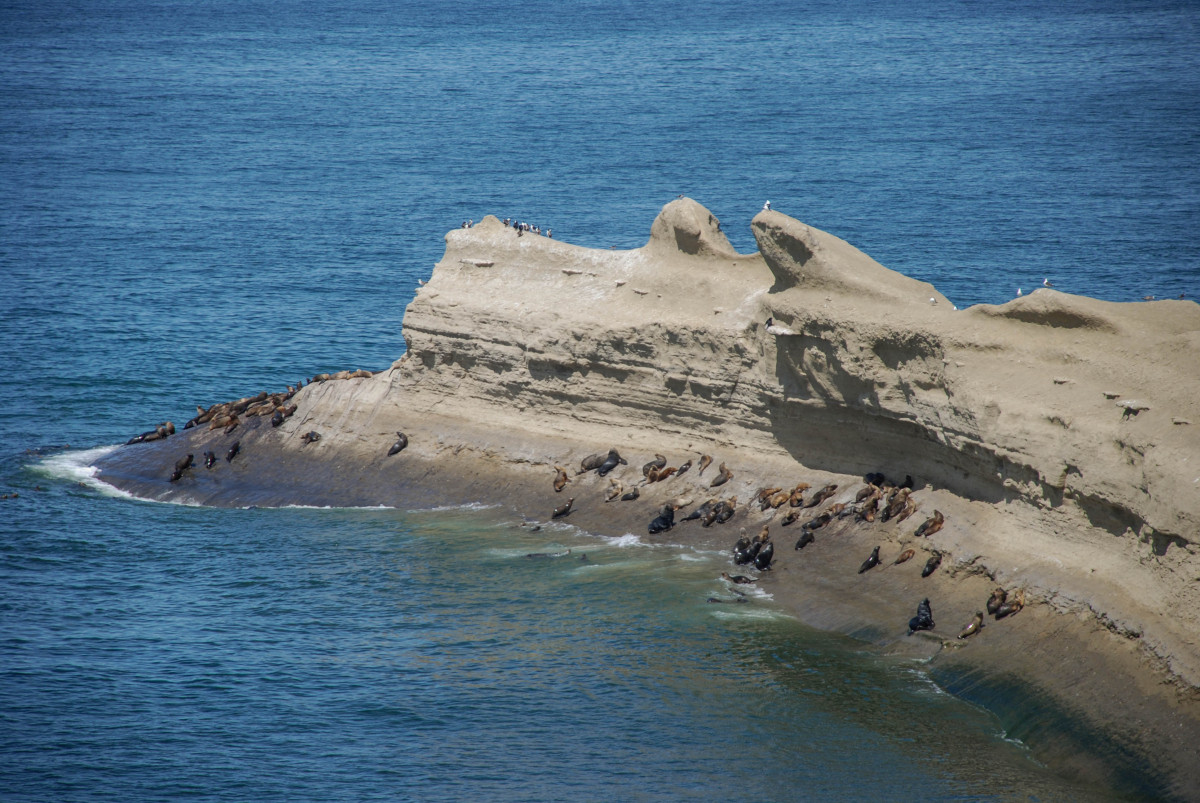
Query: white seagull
(1047, 283)
(767, 207)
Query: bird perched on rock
(924, 618)
(562, 510)
(402, 443)
(973, 627)
(997, 599)
(932, 564)
(931, 525)
(723, 477)
(871, 562)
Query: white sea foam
(79, 466)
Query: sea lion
(974, 627)
(910, 507)
(663, 473)
(932, 564)
(705, 462)
(778, 500)
(560, 478)
(232, 425)
(278, 418)
(312, 436)
(233, 450)
(866, 491)
(658, 462)
(725, 476)
(931, 525)
(789, 518)
(562, 510)
(740, 579)
(895, 505)
(725, 510)
(997, 599)
(181, 465)
(874, 478)
(763, 497)
(796, 499)
(1009, 607)
(209, 459)
(400, 445)
(766, 554)
(924, 618)
(590, 463)
(701, 511)
(818, 522)
(664, 521)
(745, 554)
(615, 489)
(718, 600)
(821, 495)
(683, 469)
(629, 497)
(613, 460)
(806, 538)
(871, 562)
(905, 557)
(868, 510)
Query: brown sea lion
(562, 510)
(910, 507)
(664, 473)
(789, 518)
(590, 463)
(905, 557)
(931, 525)
(658, 462)
(997, 599)
(705, 462)
(725, 476)
(780, 499)
(312, 436)
(821, 495)
(615, 489)
(866, 491)
(560, 478)
(974, 627)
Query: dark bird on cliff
(629, 497)
(664, 521)
(233, 450)
(560, 478)
(683, 469)
(181, 465)
(924, 618)
(402, 443)
(932, 564)
(312, 436)
(1009, 607)
(739, 579)
(705, 461)
(762, 561)
(725, 476)
(613, 460)
(805, 539)
(973, 627)
(209, 459)
(997, 599)
(931, 525)
(658, 462)
(562, 510)
(905, 556)
(871, 562)
(821, 495)
(590, 463)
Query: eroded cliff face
(1075, 422)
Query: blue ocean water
(200, 201)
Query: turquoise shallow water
(199, 202)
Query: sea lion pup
(932, 564)
(615, 489)
(789, 518)
(181, 465)
(220, 421)
(931, 525)
(868, 510)
(562, 510)
(739, 579)
(871, 562)
(590, 463)
(209, 459)
(805, 539)
(683, 469)
(658, 462)
(741, 545)
(233, 451)
(613, 460)
(905, 556)
(821, 495)
(629, 497)
(765, 556)
(1009, 607)
(725, 476)
(560, 477)
(701, 511)
(974, 627)
(997, 599)
(924, 618)
(664, 521)
(312, 436)
(705, 462)
(402, 443)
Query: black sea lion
(181, 465)
(871, 562)
(664, 521)
(683, 469)
(278, 418)
(805, 539)
(658, 462)
(789, 518)
(821, 495)
(312, 436)
(924, 618)
(740, 579)
(233, 450)
(400, 445)
(562, 510)
(629, 497)
(1009, 607)
(762, 561)
(974, 627)
(997, 599)
(209, 459)
(725, 510)
(932, 564)
(613, 460)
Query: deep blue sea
(199, 201)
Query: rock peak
(687, 227)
